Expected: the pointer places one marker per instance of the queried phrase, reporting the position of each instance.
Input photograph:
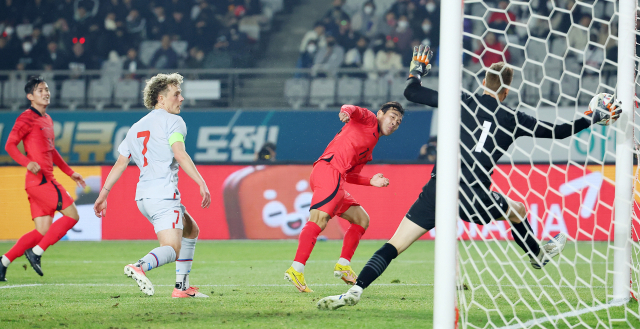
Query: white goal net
(563, 53)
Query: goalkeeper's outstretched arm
(416, 93)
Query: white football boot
(136, 272)
(548, 251)
(350, 298)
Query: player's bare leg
(52, 232)
(190, 234)
(359, 219)
(318, 220)
(406, 234)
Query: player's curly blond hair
(158, 85)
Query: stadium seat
(72, 93)
(559, 46)
(111, 71)
(127, 93)
(397, 91)
(323, 92)
(536, 50)
(296, 92)
(590, 84)
(100, 92)
(13, 94)
(376, 92)
(147, 49)
(181, 48)
(349, 91)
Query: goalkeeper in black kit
(487, 130)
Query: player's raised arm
(359, 114)
(418, 68)
(114, 175)
(603, 113)
(180, 154)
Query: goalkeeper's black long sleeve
(543, 129)
(416, 93)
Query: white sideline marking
(571, 314)
(21, 286)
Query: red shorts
(47, 198)
(328, 190)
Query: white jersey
(147, 143)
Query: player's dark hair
(392, 106)
(493, 80)
(32, 83)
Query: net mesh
(563, 54)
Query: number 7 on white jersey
(483, 138)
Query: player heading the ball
(487, 130)
(156, 144)
(341, 162)
(34, 128)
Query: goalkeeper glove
(605, 114)
(420, 66)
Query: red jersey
(351, 149)
(36, 132)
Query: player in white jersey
(156, 144)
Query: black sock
(528, 242)
(376, 265)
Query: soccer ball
(599, 103)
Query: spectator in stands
(416, 15)
(578, 36)
(219, 58)
(494, 53)
(498, 19)
(38, 43)
(196, 58)
(361, 57)
(116, 7)
(111, 36)
(594, 56)
(317, 34)
(334, 16)
(53, 59)
(165, 57)
(390, 23)
(239, 47)
(428, 35)
(400, 8)
(347, 37)
(388, 59)
(63, 33)
(26, 59)
(328, 59)
(132, 64)
(181, 6)
(80, 61)
(11, 11)
(305, 60)
(433, 10)
(179, 26)
(158, 24)
(365, 21)
(37, 12)
(8, 61)
(560, 20)
(136, 26)
(402, 34)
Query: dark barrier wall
(223, 136)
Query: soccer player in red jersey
(342, 162)
(34, 128)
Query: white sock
(37, 250)
(158, 257)
(5, 261)
(356, 290)
(299, 267)
(343, 262)
(185, 260)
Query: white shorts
(162, 213)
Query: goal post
(624, 151)
(448, 163)
(585, 186)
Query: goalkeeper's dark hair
(32, 83)
(392, 106)
(493, 80)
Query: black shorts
(486, 206)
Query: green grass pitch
(84, 287)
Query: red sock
(351, 240)
(25, 242)
(57, 230)
(307, 241)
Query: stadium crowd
(358, 34)
(81, 34)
